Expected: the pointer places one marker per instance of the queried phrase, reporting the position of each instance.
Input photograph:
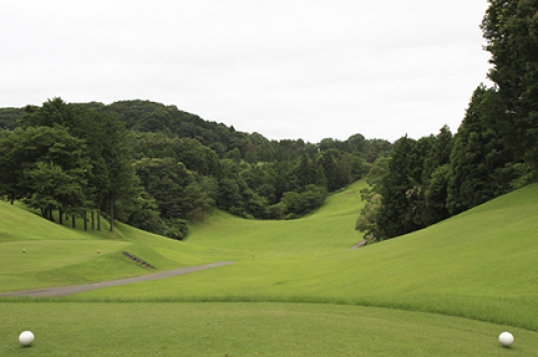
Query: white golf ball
(26, 338)
(506, 338)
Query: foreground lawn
(247, 329)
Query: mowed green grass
(481, 264)
(476, 273)
(246, 329)
(56, 255)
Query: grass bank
(480, 264)
(453, 286)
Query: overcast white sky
(307, 69)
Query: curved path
(69, 290)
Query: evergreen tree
(511, 31)
(345, 168)
(435, 196)
(393, 216)
(305, 172)
(439, 154)
(320, 179)
(435, 178)
(330, 160)
(480, 164)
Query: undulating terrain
(296, 288)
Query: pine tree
(511, 31)
(305, 172)
(393, 216)
(479, 159)
(435, 178)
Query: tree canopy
(157, 167)
(494, 150)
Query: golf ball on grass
(506, 339)
(26, 338)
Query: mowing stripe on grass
(69, 290)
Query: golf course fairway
(295, 287)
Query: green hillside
(480, 265)
(56, 255)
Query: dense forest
(495, 149)
(157, 168)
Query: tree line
(157, 168)
(493, 152)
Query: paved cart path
(69, 290)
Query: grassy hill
(479, 265)
(57, 255)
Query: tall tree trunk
(44, 213)
(60, 213)
(85, 217)
(99, 219)
(73, 221)
(112, 215)
(93, 220)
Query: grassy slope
(59, 255)
(481, 264)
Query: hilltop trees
(494, 150)
(403, 176)
(57, 160)
(511, 31)
(156, 167)
(434, 178)
(47, 167)
(110, 177)
(252, 187)
(76, 158)
(9, 117)
(430, 179)
(165, 180)
(479, 161)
